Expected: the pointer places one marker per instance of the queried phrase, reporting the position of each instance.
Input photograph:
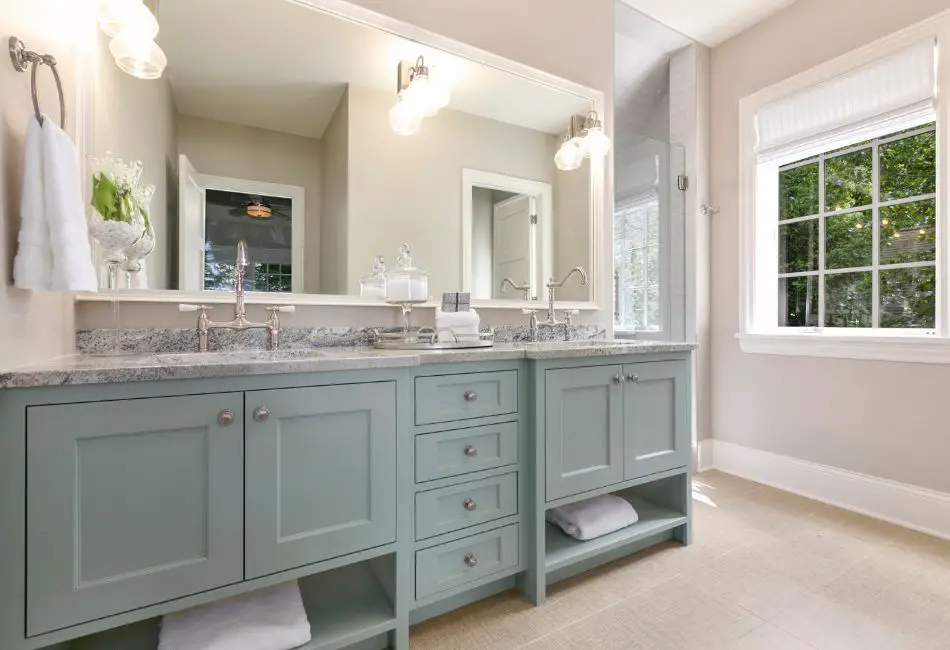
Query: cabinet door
(656, 418)
(131, 503)
(583, 429)
(321, 474)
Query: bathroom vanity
(394, 486)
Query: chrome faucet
(534, 325)
(240, 322)
(525, 288)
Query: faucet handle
(285, 309)
(184, 307)
(569, 316)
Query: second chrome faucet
(534, 325)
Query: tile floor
(768, 571)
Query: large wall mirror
(274, 124)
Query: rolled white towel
(268, 619)
(464, 324)
(594, 517)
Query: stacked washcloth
(267, 619)
(593, 518)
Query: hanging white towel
(54, 252)
(594, 517)
(267, 619)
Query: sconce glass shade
(596, 142)
(404, 117)
(118, 17)
(138, 56)
(427, 95)
(569, 155)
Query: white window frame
(758, 327)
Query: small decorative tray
(427, 338)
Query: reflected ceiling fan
(257, 207)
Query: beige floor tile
(768, 637)
(615, 628)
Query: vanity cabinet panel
(656, 414)
(130, 503)
(584, 432)
(449, 398)
(320, 474)
(455, 453)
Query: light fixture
(569, 155)
(595, 140)
(133, 29)
(585, 139)
(419, 96)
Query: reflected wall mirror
(280, 125)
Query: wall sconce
(585, 138)
(133, 29)
(419, 96)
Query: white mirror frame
(600, 295)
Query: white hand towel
(593, 518)
(267, 619)
(73, 269)
(33, 266)
(464, 324)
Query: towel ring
(21, 57)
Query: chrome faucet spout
(240, 263)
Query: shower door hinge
(534, 220)
(682, 182)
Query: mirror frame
(85, 137)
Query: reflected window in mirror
(637, 263)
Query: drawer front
(452, 453)
(460, 506)
(447, 398)
(466, 560)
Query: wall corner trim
(705, 459)
(921, 509)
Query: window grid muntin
(875, 208)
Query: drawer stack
(467, 446)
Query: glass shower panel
(649, 240)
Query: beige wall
(333, 228)
(884, 419)
(33, 326)
(409, 189)
(483, 218)
(572, 231)
(244, 152)
(141, 127)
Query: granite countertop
(96, 369)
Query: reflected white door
(191, 226)
(513, 245)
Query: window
(637, 264)
(857, 235)
(841, 209)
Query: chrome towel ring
(21, 57)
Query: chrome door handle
(226, 418)
(469, 505)
(261, 414)
(471, 561)
(633, 379)
(471, 451)
(470, 396)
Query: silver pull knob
(620, 379)
(633, 379)
(470, 396)
(469, 505)
(471, 561)
(261, 414)
(226, 418)
(471, 451)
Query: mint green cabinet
(129, 503)
(656, 417)
(320, 473)
(584, 429)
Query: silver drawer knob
(620, 379)
(261, 414)
(471, 561)
(470, 396)
(471, 451)
(226, 418)
(469, 505)
(633, 379)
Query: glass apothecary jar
(405, 283)
(373, 286)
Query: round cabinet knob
(261, 414)
(226, 418)
(620, 379)
(633, 379)
(470, 396)
(471, 451)
(469, 505)
(471, 561)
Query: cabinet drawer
(460, 506)
(451, 453)
(446, 398)
(466, 560)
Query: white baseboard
(927, 511)
(704, 455)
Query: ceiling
(710, 22)
(283, 66)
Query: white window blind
(883, 96)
